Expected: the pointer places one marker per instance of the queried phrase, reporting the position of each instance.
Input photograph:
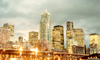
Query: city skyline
(27, 14)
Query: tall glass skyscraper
(46, 27)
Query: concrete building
(93, 48)
(78, 49)
(79, 37)
(70, 44)
(69, 25)
(42, 45)
(33, 37)
(11, 27)
(46, 27)
(69, 33)
(4, 36)
(20, 41)
(95, 39)
(58, 37)
(76, 34)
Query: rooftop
(58, 26)
(9, 24)
(94, 34)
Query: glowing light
(32, 49)
(36, 50)
(80, 58)
(59, 58)
(20, 53)
(3, 49)
(21, 49)
(48, 58)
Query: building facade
(20, 41)
(11, 27)
(70, 44)
(46, 27)
(69, 33)
(95, 39)
(79, 37)
(78, 49)
(76, 34)
(93, 48)
(58, 37)
(33, 37)
(4, 35)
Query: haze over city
(26, 15)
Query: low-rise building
(78, 49)
(93, 48)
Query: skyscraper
(45, 27)
(79, 37)
(69, 25)
(33, 37)
(69, 33)
(11, 27)
(95, 39)
(58, 37)
(75, 34)
(4, 35)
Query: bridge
(39, 55)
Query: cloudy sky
(26, 14)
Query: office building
(46, 27)
(95, 39)
(4, 36)
(78, 49)
(79, 37)
(33, 37)
(76, 34)
(93, 48)
(11, 27)
(58, 37)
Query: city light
(59, 58)
(21, 49)
(3, 49)
(36, 50)
(31, 49)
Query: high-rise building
(79, 37)
(4, 35)
(58, 37)
(69, 25)
(46, 28)
(20, 39)
(69, 33)
(33, 37)
(93, 48)
(76, 34)
(11, 27)
(95, 39)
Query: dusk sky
(26, 15)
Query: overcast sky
(26, 14)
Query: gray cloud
(26, 14)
